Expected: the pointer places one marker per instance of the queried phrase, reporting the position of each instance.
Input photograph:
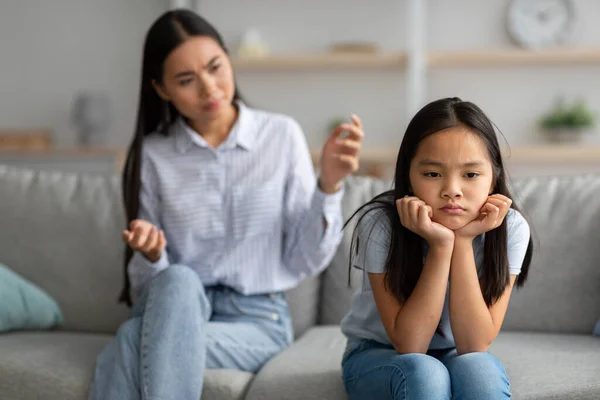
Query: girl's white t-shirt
(363, 321)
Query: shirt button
(275, 316)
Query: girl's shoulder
(373, 235)
(516, 224)
(374, 220)
(518, 232)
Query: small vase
(565, 135)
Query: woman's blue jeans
(372, 370)
(179, 328)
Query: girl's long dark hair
(154, 114)
(404, 261)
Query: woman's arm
(141, 269)
(411, 325)
(312, 219)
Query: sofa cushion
(309, 369)
(62, 231)
(539, 366)
(335, 292)
(25, 306)
(561, 294)
(60, 365)
(550, 366)
(303, 301)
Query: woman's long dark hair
(404, 262)
(155, 114)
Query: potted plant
(567, 123)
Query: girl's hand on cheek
(490, 217)
(416, 216)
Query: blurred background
(69, 73)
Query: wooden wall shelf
(320, 61)
(541, 154)
(435, 59)
(513, 57)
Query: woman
(225, 214)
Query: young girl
(225, 214)
(441, 253)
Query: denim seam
(144, 366)
(378, 368)
(266, 315)
(246, 347)
(261, 349)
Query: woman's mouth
(212, 105)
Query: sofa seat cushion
(59, 365)
(540, 366)
(550, 366)
(310, 369)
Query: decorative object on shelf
(91, 115)
(334, 123)
(354, 48)
(253, 45)
(25, 140)
(567, 123)
(536, 24)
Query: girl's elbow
(473, 348)
(409, 348)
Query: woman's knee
(178, 287)
(178, 279)
(128, 336)
(478, 375)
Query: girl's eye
(215, 67)
(432, 174)
(185, 82)
(472, 175)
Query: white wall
(51, 49)
(316, 97)
(513, 97)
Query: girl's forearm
(470, 319)
(420, 315)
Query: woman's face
(452, 172)
(198, 80)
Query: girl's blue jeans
(372, 370)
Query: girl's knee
(478, 375)
(421, 376)
(474, 363)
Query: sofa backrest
(562, 293)
(62, 231)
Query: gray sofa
(62, 232)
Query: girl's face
(198, 79)
(452, 172)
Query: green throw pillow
(25, 306)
